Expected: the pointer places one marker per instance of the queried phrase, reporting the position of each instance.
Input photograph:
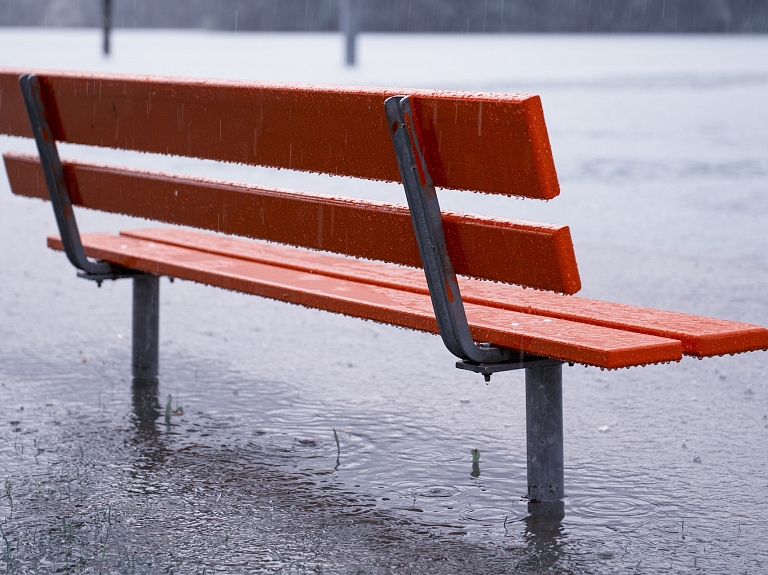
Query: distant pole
(349, 25)
(107, 13)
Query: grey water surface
(232, 463)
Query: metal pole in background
(107, 14)
(544, 428)
(146, 326)
(350, 14)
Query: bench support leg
(146, 326)
(544, 427)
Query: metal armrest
(57, 189)
(438, 268)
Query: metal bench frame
(543, 376)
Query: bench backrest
(480, 142)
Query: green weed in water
(168, 410)
(475, 463)
(8, 491)
(338, 448)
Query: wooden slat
(700, 336)
(556, 338)
(493, 143)
(523, 253)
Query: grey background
(661, 146)
(731, 16)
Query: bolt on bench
(473, 265)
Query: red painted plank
(556, 338)
(511, 251)
(700, 336)
(493, 143)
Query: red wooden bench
(335, 253)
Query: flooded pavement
(662, 150)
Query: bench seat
(154, 195)
(399, 296)
(699, 336)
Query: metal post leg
(146, 326)
(544, 426)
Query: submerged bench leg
(146, 326)
(544, 427)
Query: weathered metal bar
(146, 326)
(54, 177)
(544, 428)
(430, 237)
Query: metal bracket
(53, 170)
(118, 273)
(524, 362)
(427, 221)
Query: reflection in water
(146, 411)
(146, 405)
(544, 533)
